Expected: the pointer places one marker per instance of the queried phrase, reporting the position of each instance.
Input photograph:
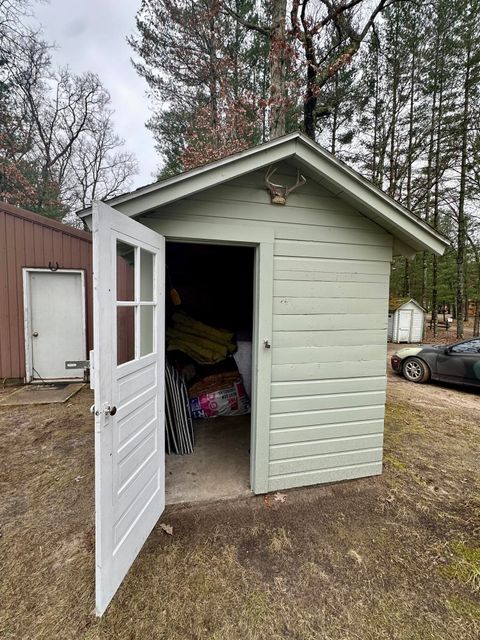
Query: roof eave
(412, 233)
(166, 191)
(370, 200)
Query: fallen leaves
(356, 556)
(270, 498)
(167, 528)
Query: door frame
(27, 317)
(262, 240)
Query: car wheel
(415, 370)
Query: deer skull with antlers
(278, 192)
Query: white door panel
(56, 325)
(129, 277)
(404, 325)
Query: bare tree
(57, 143)
(98, 166)
(62, 107)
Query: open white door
(128, 370)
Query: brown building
(45, 296)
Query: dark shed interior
(213, 284)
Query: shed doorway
(209, 320)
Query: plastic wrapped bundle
(204, 344)
(221, 394)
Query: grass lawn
(392, 557)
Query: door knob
(35, 334)
(107, 410)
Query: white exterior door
(404, 325)
(55, 323)
(128, 370)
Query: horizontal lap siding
(307, 354)
(320, 371)
(325, 322)
(334, 469)
(307, 435)
(328, 361)
(327, 401)
(331, 279)
(289, 339)
(329, 289)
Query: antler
(301, 180)
(278, 192)
(268, 175)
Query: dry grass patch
(280, 541)
(375, 559)
(465, 565)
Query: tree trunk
(408, 199)
(436, 199)
(430, 160)
(310, 102)
(376, 119)
(333, 146)
(278, 64)
(213, 81)
(462, 217)
(392, 182)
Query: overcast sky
(91, 36)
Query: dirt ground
(392, 557)
(446, 336)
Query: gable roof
(411, 233)
(397, 303)
(44, 221)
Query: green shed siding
(331, 279)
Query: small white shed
(406, 319)
(316, 249)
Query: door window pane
(125, 334)
(146, 276)
(125, 271)
(146, 330)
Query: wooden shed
(316, 260)
(406, 320)
(46, 296)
